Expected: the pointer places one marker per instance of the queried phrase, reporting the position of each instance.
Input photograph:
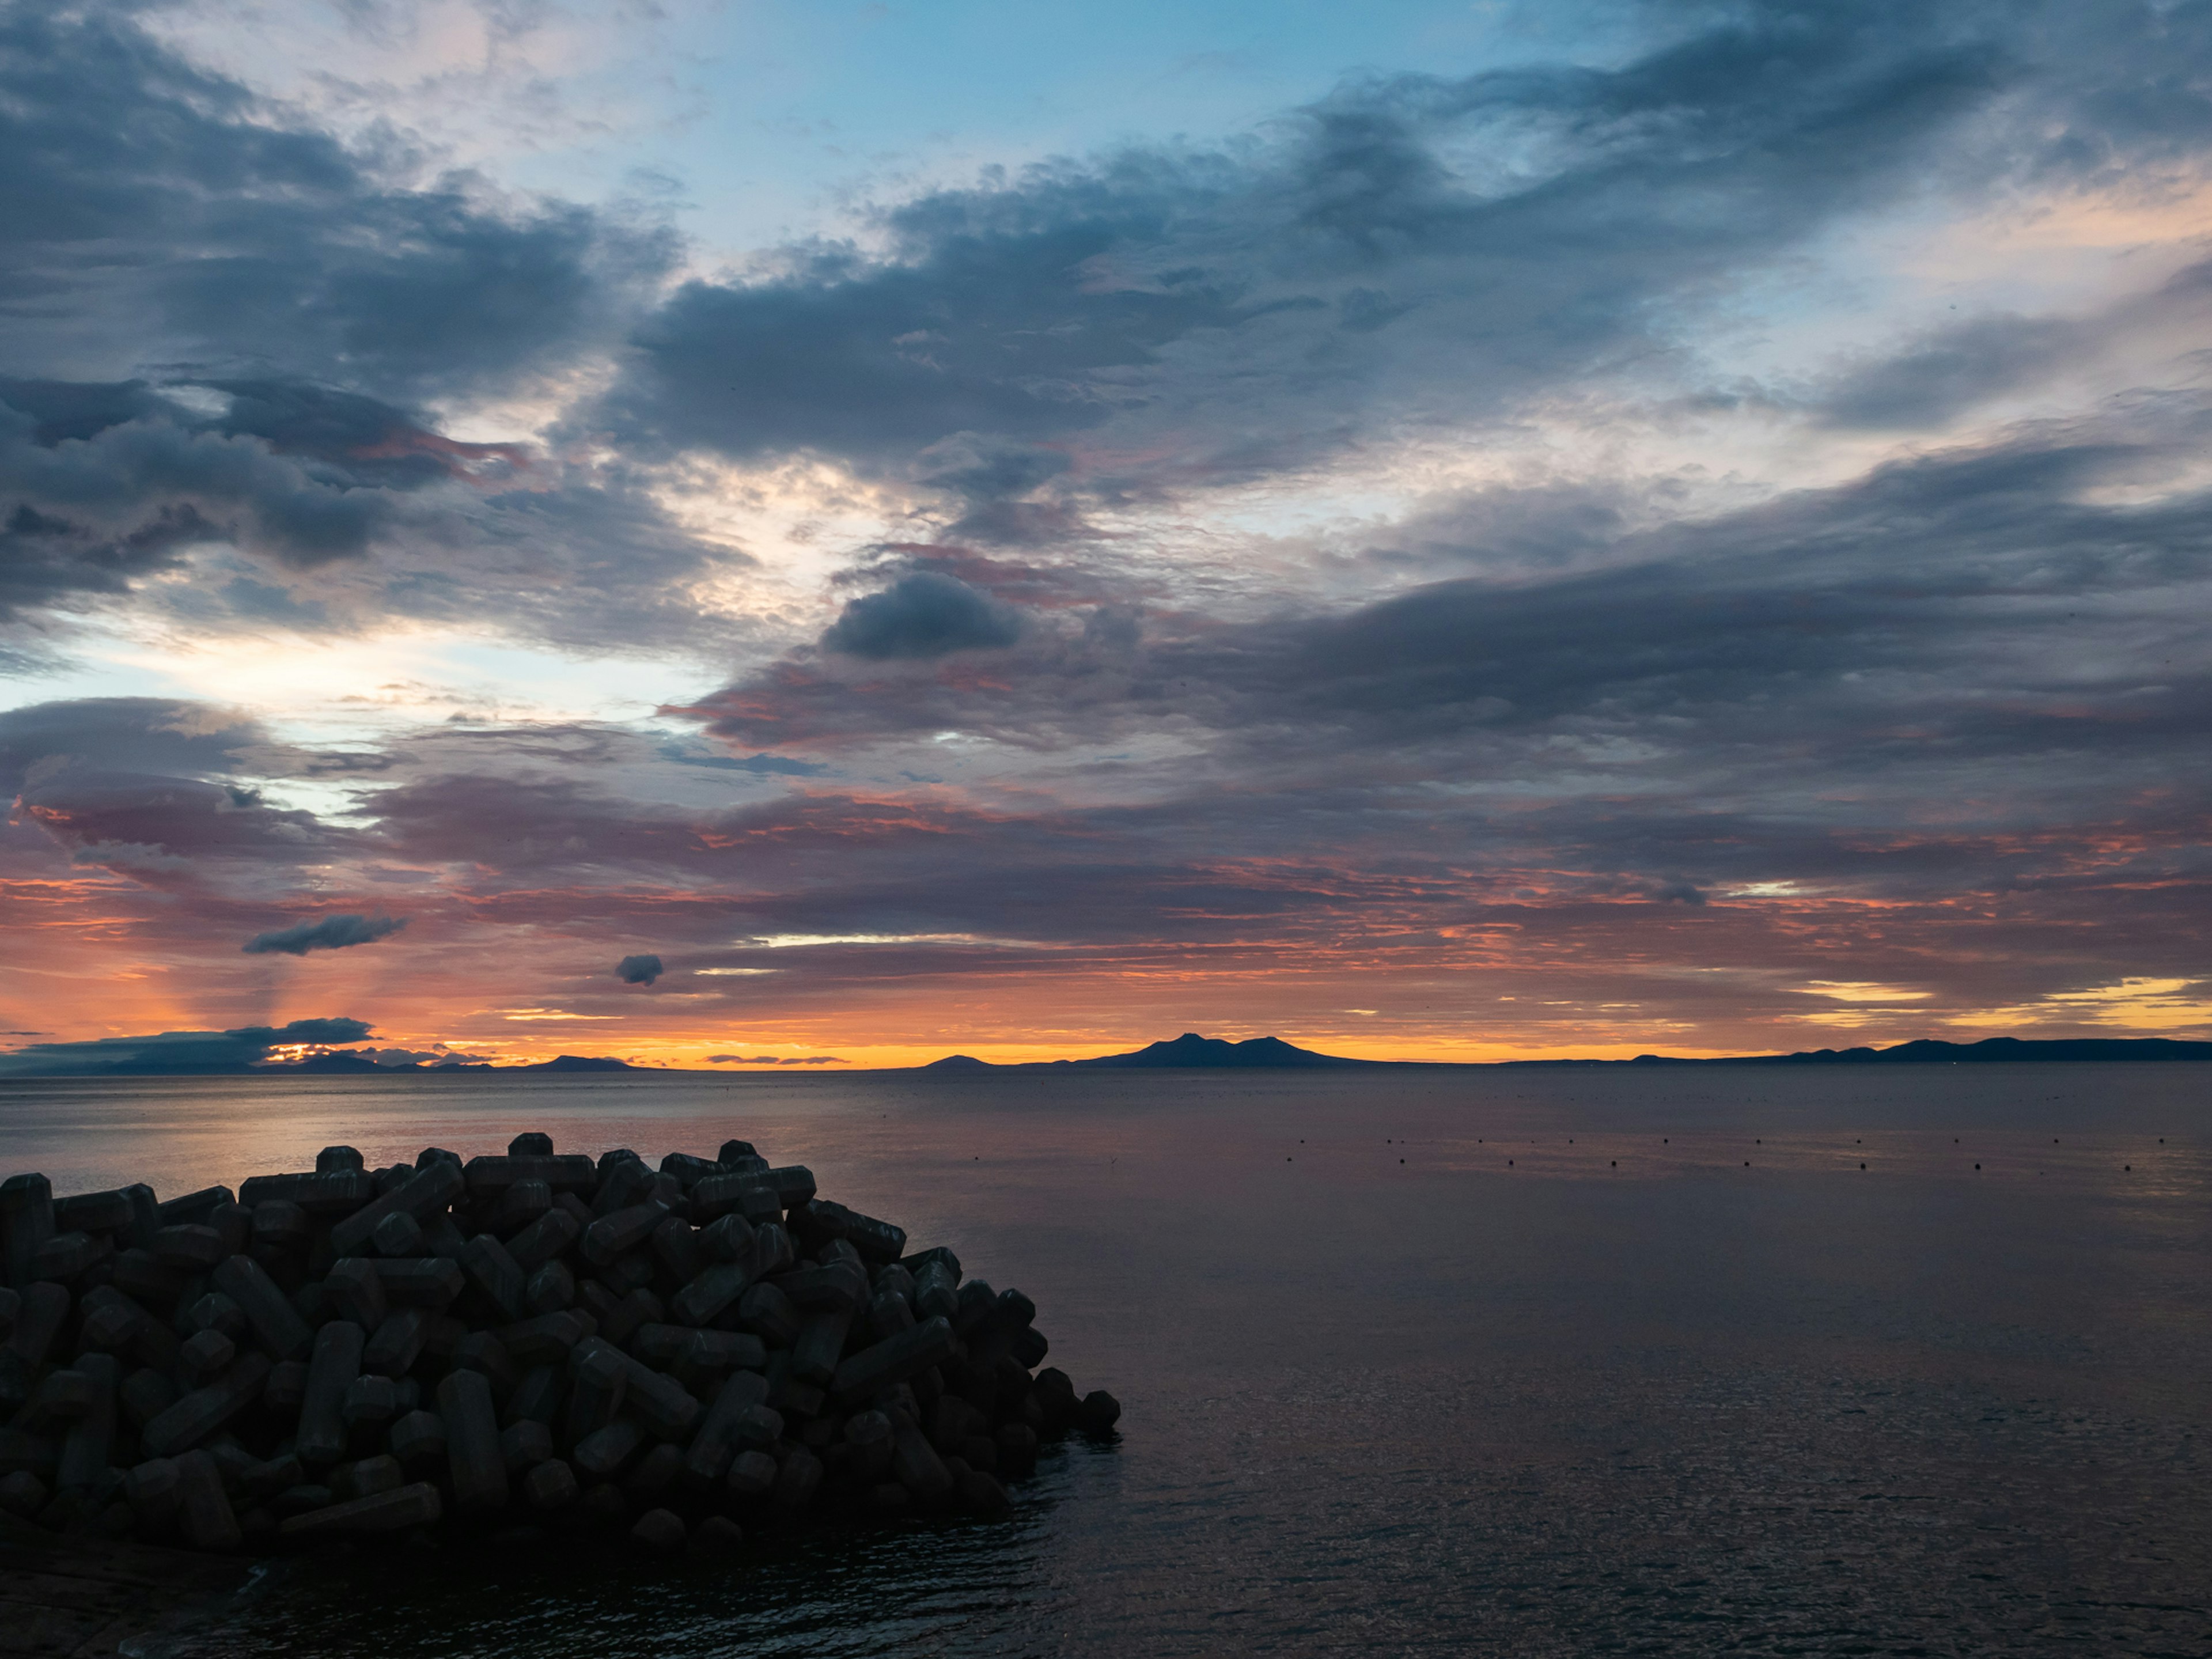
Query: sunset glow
(1489, 534)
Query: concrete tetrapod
(707, 1352)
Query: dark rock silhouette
(576, 1063)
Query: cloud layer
(175, 1052)
(1694, 544)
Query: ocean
(1896, 1360)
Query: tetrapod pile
(531, 1340)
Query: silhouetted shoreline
(1192, 1052)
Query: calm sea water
(1512, 1363)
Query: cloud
(134, 492)
(303, 252)
(758, 765)
(45, 558)
(923, 614)
(330, 933)
(316, 508)
(150, 822)
(221, 328)
(145, 734)
(1343, 555)
(776, 1059)
(638, 970)
(1949, 371)
(175, 1052)
(1777, 630)
(1410, 246)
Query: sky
(744, 534)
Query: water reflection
(1624, 1394)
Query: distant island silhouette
(241, 1054)
(345, 1062)
(1190, 1051)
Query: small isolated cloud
(758, 765)
(331, 933)
(774, 1059)
(638, 970)
(924, 614)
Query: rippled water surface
(1492, 1362)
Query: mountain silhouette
(1189, 1051)
(1933, 1051)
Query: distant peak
(1192, 1048)
(578, 1063)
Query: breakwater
(680, 1353)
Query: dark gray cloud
(638, 970)
(1959, 368)
(144, 734)
(329, 933)
(45, 558)
(220, 327)
(157, 212)
(114, 484)
(104, 484)
(1410, 250)
(173, 1054)
(1955, 370)
(923, 614)
(161, 829)
(147, 487)
(1410, 245)
(757, 765)
(1970, 589)
(1954, 677)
